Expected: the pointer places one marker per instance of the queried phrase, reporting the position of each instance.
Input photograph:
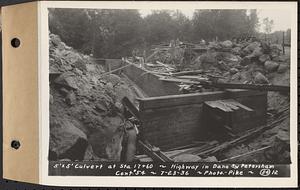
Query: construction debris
(230, 62)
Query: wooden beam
(260, 87)
(131, 108)
(178, 80)
(154, 152)
(194, 98)
(176, 100)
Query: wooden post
(283, 51)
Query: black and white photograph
(174, 86)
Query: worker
(129, 142)
(134, 54)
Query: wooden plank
(176, 100)
(194, 98)
(131, 108)
(260, 87)
(195, 72)
(154, 152)
(240, 105)
(178, 80)
(220, 105)
(243, 138)
(238, 93)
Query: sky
(281, 18)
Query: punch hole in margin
(15, 144)
(15, 42)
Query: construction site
(183, 103)
(208, 101)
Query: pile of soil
(86, 120)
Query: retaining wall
(170, 119)
(173, 121)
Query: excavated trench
(170, 119)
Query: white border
(160, 181)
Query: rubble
(282, 68)
(227, 44)
(187, 158)
(271, 66)
(65, 138)
(86, 110)
(239, 63)
(259, 78)
(264, 57)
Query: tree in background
(183, 26)
(159, 27)
(223, 24)
(252, 22)
(267, 26)
(72, 25)
(100, 32)
(205, 24)
(288, 36)
(115, 33)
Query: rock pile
(86, 121)
(247, 62)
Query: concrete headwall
(172, 121)
(148, 82)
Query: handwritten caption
(167, 169)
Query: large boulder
(226, 44)
(107, 139)
(265, 47)
(56, 42)
(208, 58)
(259, 78)
(282, 58)
(214, 45)
(271, 66)
(66, 140)
(251, 47)
(256, 52)
(67, 80)
(187, 158)
(236, 50)
(263, 58)
(90, 155)
(245, 61)
(282, 68)
(210, 159)
(70, 98)
(233, 71)
(280, 150)
(275, 50)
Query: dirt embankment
(86, 121)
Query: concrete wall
(111, 64)
(150, 83)
(172, 121)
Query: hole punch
(15, 42)
(15, 144)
